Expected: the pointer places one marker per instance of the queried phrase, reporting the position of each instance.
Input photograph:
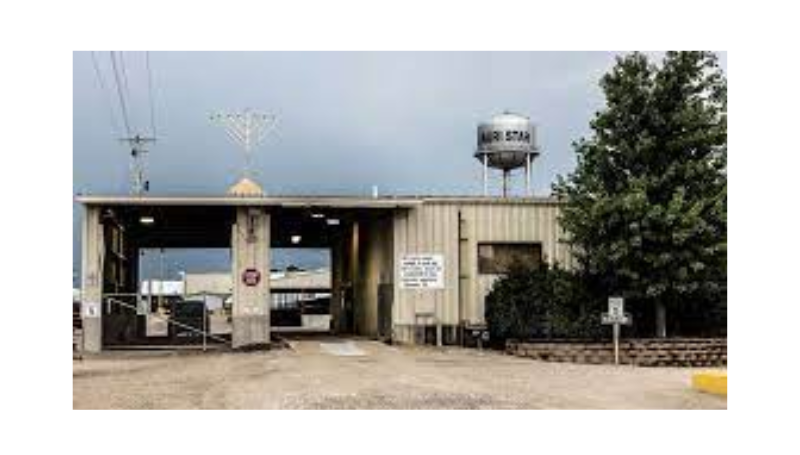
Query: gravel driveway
(358, 374)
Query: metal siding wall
(433, 228)
(450, 237)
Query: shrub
(553, 303)
(545, 302)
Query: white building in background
(222, 283)
(288, 287)
(164, 288)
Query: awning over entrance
(205, 222)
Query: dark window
(497, 258)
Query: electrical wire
(122, 103)
(126, 87)
(150, 93)
(106, 95)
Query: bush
(545, 302)
(552, 303)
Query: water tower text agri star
(507, 142)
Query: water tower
(507, 142)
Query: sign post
(616, 316)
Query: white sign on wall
(91, 309)
(422, 271)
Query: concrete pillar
(354, 277)
(93, 252)
(337, 277)
(250, 243)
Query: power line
(125, 87)
(150, 93)
(138, 143)
(106, 98)
(123, 106)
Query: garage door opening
(176, 262)
(300, 288)
(358, 248)
(179, 299)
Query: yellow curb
(715, 382)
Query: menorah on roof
(247, 128)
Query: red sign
(251, 277)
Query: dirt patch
(309, 376)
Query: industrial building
(407, 269)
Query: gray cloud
(347, 121)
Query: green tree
(646, 207)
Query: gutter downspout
(459, 270)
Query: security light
(317, 215)
(332, 221)
(296, 239)
(147, 220)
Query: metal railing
(205, 334)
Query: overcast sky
(346, 121)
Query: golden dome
(246, 187)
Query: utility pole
(139, 185)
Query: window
(497, 258)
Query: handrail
(168, 321)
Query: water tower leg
(505, 183)
(485, 175)
(528, 175)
